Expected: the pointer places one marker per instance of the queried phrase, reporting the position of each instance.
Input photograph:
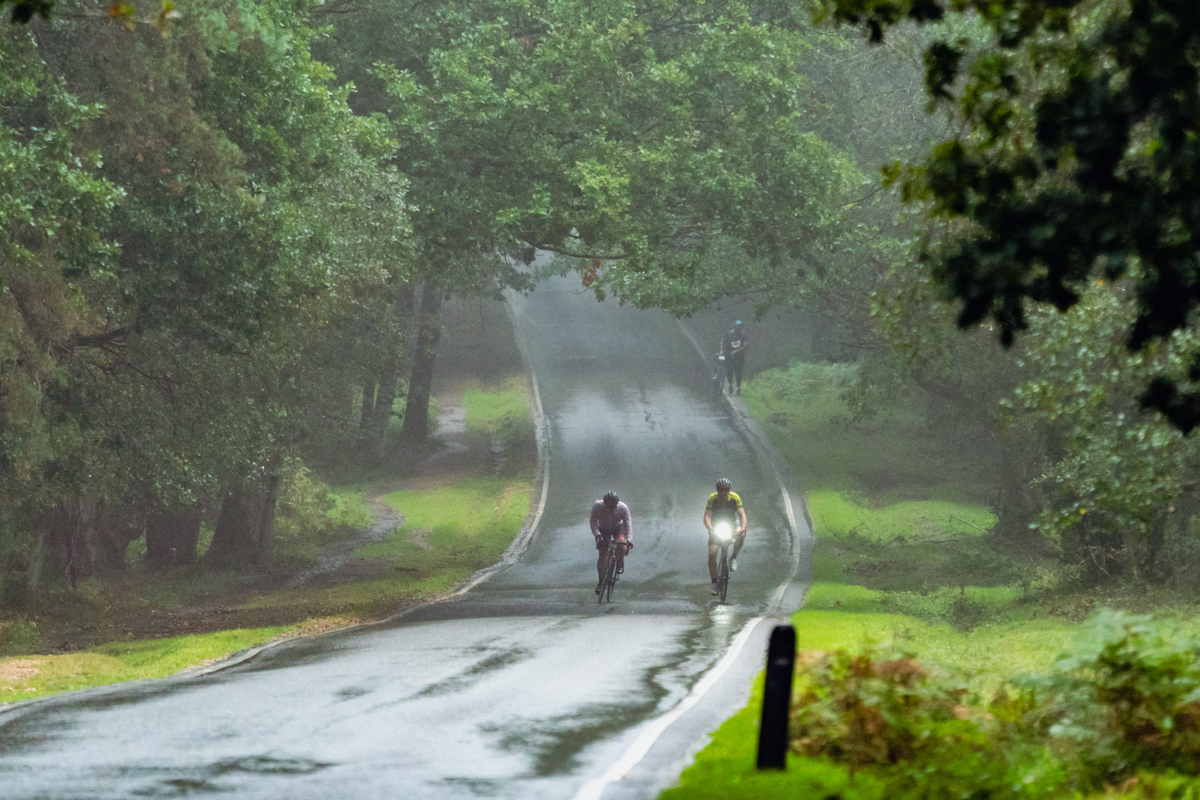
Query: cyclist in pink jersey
(610, 518)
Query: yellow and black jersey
(723, 508)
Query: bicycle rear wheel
(723, 574)
(719, 379)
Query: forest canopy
(232, 226)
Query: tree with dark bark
(242, 537)
(429, 334)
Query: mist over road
(522, 687)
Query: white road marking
(641, 745)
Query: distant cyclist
(733, 347)
(724, 506)
(610, 518)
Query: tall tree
(1077, 159)
(636, 133)
(253, 207)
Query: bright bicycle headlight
(723, 531)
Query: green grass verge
(25, 677)
(901, 457)
(350, 511)
(983, 658)
(885, 516)
(501, 411)
(835, 513)
(449, 533)
(466, 526)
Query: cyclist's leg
(713, 549)
(601, 559)
(621, 551)
(738, 543)
(739, 361)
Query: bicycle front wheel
(723, 575)
(610, 578)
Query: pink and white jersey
(611, 521)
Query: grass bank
(32, 676)
(898, 506)
(449, 533)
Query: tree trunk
(343, 394)
(385, 400)
(232, 543)
(67, 524)
(429, 333)
(33, 577)
(1154, 545)
(244, 528)
(263, 519)
(172, 536)
(389, 376)
(366, 411)
(1015, 504)
(108, 535)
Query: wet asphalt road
(522, 687)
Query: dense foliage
(240, 241)
(1076, 159)
(194, 214)
(231, 227)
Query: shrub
(861, 709)
(307, 509)
(1127, 698)
(913, 729)
(18, 636)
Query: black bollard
(777, 699)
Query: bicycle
(610, 571)
(718, 376)
(723, 533)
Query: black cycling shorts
(606, 535)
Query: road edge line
(509, 557)
(750, 428)
(593, 789)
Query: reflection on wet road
(523, 687)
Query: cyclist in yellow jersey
(724, 504)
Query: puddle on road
(479, 787)
(555, 744)
(471, 675)
(202, 780)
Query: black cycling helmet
(611, 499)
(724, 484)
